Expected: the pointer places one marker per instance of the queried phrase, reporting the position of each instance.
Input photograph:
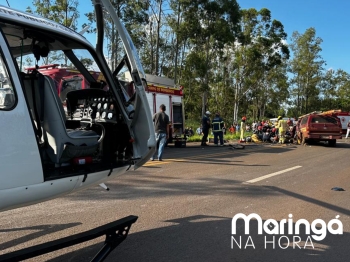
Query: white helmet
(207, 113)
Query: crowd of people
(280, 131)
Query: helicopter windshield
(116, 44)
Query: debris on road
(236, 146)
(337, 189)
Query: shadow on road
(211, 161)
(340, 144)
(206, 238)
(310, 200)
(39, 232)
(139, 187)
(197, 153)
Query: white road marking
(271, 175)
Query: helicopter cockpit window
(7, 95)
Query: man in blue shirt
(218, 124)
(205, 128)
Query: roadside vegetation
(227, 137)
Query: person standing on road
(282, 129)
(161, 126)
(218, 125)
(348, 131)
(205, 128)
(243, 127)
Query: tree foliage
(235, 61)
(306, 66)
(64, 12)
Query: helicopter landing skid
(115, 232)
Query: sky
(331, 20)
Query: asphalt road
(185, 206)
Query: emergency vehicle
(66, 79)
(162, 90)
(343, 116)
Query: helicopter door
(139, 117)
(20, 163)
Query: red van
(319, 127)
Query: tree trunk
(177, 43)
(235, 107)
(158, 36)
(206, 81)
(151, 47)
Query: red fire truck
(66, 79)
(162, 90)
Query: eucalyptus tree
(334, 90)
(134, 15)
(343, 90)
(307, 69)
(208, 26)
(258, 63)
(64, 12)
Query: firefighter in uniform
(217, 125)
(282, 129)
(205, 128)
(243, 127)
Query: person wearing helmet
(241, 139)
(205, 128)
(218, 125)
(282, 129)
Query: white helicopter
(51, 147)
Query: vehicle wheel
(332, 142)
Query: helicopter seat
(61, 144)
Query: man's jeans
(161, 141)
